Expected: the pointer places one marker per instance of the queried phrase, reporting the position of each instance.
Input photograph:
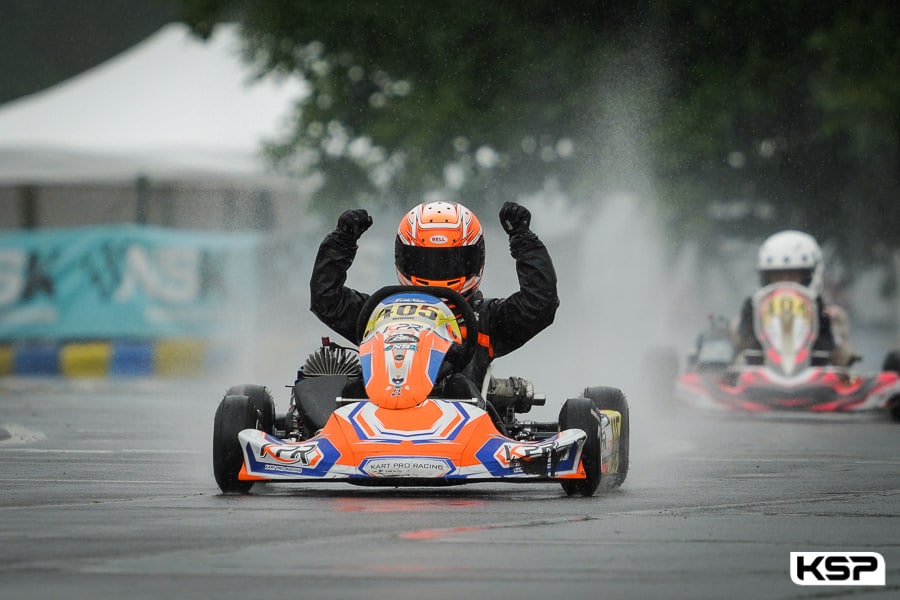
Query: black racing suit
(504, 324)
(747, 337)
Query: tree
(487, 98)
(47, 41)
(788, 110)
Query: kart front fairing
(402, 434)
(816, 389)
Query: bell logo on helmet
(439, 239)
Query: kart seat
(459, 387)
(456, 387)
(354, 389)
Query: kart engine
(513, 395)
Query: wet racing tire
(892, 361)
(894, 408)
(243, 407)
(610, 398)
(579, 413)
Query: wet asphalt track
(106, 491)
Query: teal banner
(125, 281)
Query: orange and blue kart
(397, 412)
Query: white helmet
(792, 251)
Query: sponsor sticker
(837, 568)
(306, 454)
(395, 466)
(283, 469)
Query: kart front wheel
(243, 407)
(579, 413)
(610, 398)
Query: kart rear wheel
(894, 408)
(579, 413)
(610, 398)
(243, 407)
(892, 361)
(262, 401)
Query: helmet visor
(801, 276)
(439, 263)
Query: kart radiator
(330, 359)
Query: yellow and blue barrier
(128, 358)
(130, 300)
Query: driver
(794, 256)
(441, 244)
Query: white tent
(170, 107)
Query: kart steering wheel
(459, 354)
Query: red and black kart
(786, 374)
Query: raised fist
(514, 218)
(354, 222)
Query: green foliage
(497, 90)
(47, 41)
(786, 104)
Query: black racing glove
(354, 222)
(515, 218)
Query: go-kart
(786, 373)
(398, 411)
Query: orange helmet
(440, 244)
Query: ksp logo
(837, 568)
